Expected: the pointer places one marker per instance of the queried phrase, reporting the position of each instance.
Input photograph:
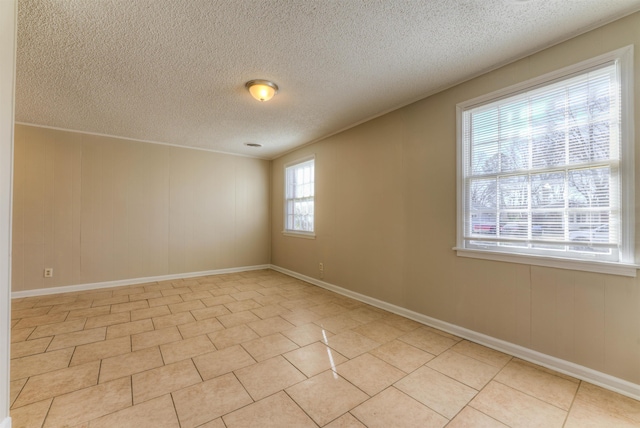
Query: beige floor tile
(307, 334)
(346, 421)
(538, 383)
(209, 312)
(270, 326)
(232, 336)
(77, 338)
(164, 380)
(467, 370)
(351, 344)
(55, 299)
(176, 291)
(154, 338)
(481, 353)
(369, 373)
(30, 416)
(337, 323)
(110, 301)
(90, 312)
(187, 348)
(157, 413)
(216, 423)
(270, 307)
(129, 328)
(198, 328)
(268, 377)
(245, 295)
(301, 317)
(66, 307)
(177, 308)
(222, 362)
(379, 331)
(516, 409)
(269, 346)
(315, 358)
(300, 304)
(86, 404)
(58, 382)
(218, 300)
(144, 295)
(401, 323)
(40, 363)
(93, 295)
(608, 401)
(156, 311)
(402, 355)
(31, 312)
(30, 347)
(276, 411)
(428, 341)
(366, 314)
(209, 400)
(21, 334)
(328, 309)
(129, 307)
(471, 418)
(326, 396)
(107, 320)
(587, 415)
(164, 301)
(223, 291)
(15, 387)
(196, 295)
(242, 306)
(42, 320)
(128, 364)
(173, 319)
(23, 303)
(237, 318)
(393, 408)
(437, 391)
(101, 350)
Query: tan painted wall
(101, 209)
(386, 226)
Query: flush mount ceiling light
(262, 90)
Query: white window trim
(297, 233)
(626, 267)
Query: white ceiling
(173, 71)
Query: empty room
(333, 214)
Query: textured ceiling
(173, 71)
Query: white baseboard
(595, 377)
(6, 423)
(133, 281)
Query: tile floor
(261, 349)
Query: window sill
(612, 268)
(297, 234)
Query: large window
(542, 167)
(299, 197)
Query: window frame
(626, 265)
(294, 232)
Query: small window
(299, 197)
(542, 168)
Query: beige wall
(386, 226)
(100, 209)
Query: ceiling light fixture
(262, 90)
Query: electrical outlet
(48, 273)
(321, 268)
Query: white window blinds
(299, 196)
(541, 169)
